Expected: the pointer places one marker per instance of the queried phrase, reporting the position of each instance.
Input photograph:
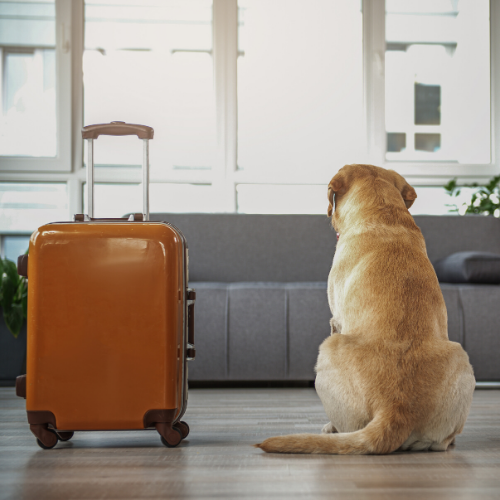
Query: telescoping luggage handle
(91, 132)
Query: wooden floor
(218, 461)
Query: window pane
(184, 198)
(28, 79)
(282, 199)
(151, 64)
(427, 142)
(396, 142)
(25, 207)
(299, 85)
(437, 75)
(433, 200)
(14, 246)
(116, 200)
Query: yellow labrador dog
(388, 377)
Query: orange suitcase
(110, 320)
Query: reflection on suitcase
(110, 320)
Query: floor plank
(218, 461)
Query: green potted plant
(484, 199)
(13, 304)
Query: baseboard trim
(487, 385)
(250, 384)
(261, 384)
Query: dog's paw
(328, 429)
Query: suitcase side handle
(91, 132)
(191, 298)
(117, 129)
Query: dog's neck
(356, 213)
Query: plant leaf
(14, 319)
(8, 291)
(450, 187)
(10, 269)
(24, 305)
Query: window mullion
(225, 53)
(495, 83)
(374, 78)
(77, 47)
(75, 196)
(63, 85)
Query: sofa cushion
(258, 331)
(272, 331)
(210, 332)
(481, 328)
(308, 320)
(469, 267)
(451, 294)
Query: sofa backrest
(245, 247)
(299, 248)
(447, 234)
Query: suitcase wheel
(172, 439)
(65, 435)
(183, 427)
(49, 440)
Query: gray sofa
(262, 310)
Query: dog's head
(349, 175)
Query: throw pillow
(469, 267)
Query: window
(437, 81)
(282, 199)
(151, 63)
(115, 200)
(34, 100)
(26, 206)
(14, 246)
(255, 103)
(300, 86)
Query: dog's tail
(384, 434)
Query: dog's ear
(335, 185)
(407, 192)
(409, 195)
(331, 195)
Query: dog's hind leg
(328, 429)
(335, 328)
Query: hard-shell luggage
(110, 320)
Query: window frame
(62, 161)
(422, 173)
(224, 177)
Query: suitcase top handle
(117, 128)
(92, 132)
